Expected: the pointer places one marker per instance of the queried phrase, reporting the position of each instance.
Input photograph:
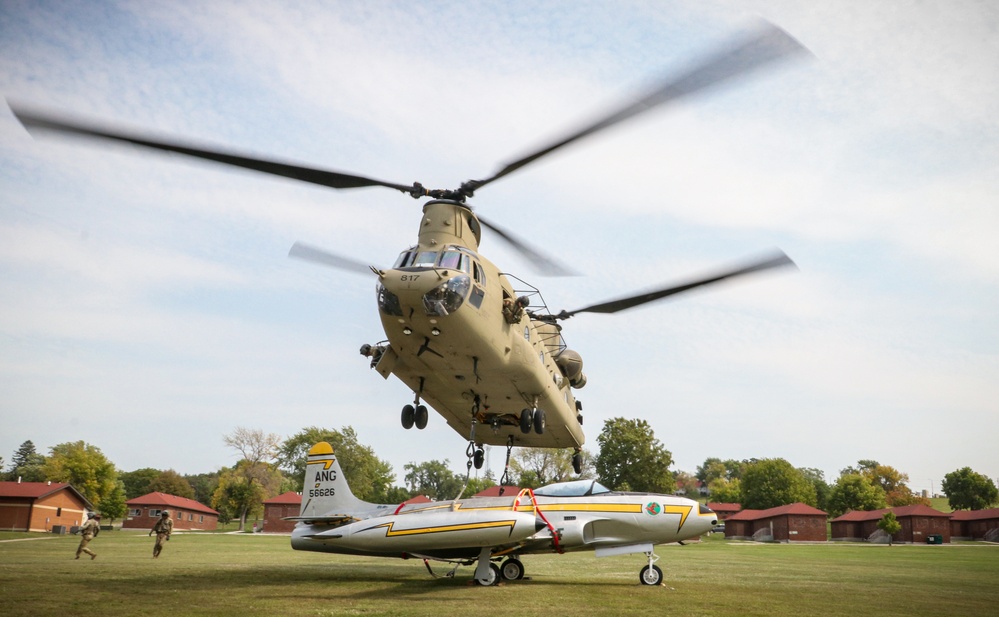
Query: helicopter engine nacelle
(571, 365)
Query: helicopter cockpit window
(405, 259)
(480, 277)
(425, 259)
(453, 260)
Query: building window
(201, 519)
(58, 512)
(153, 512)
(135, 512)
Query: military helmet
(165, 513)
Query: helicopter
(471, 341)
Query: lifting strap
(537, 510)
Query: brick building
(276, 508)
(918, 522)
(187, 514)
(975, 524)
(724, 510)
(796, 522)
(40, 506)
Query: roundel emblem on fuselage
(653, 508)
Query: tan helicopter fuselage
(450, 341)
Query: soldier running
(163, 529)
(88, 532)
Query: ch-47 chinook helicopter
(477, 345)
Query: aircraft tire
(526, 421)
(577, 463)
(512, 569)
(421, 417)
(651, 575)
(479, 458)
(493, 578)
(408, 417)
(539, 421)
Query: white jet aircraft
(570, 516)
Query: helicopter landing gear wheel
(491, 578)
(577, 462)
(478, 458)
(421, 416)
(526, 421)
(408, 417)
(651, 575)
(512, 569)
(539, 421)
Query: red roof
(900, 512)
(289, 498)
(974, 515)
(37, 490)
(172, 501)
(724, 507)
(793, 508)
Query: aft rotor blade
(542, 263)
(765, 46)
(35, 120)
(621, 304)
(325, 258)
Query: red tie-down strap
(537, 510)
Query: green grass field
(250, 575)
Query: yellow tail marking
(325, 462)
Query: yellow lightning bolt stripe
(325, 462)
(626, 508)
(390, 532)
(683, 511)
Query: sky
(148, 305)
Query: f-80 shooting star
(559, 518)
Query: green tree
(854, 491)
(725, 491)
(113, 505)
(204, 485)
(85, 467)
(536, 467)
(631, 458)
(370, 478)
(818, 479)
(433, 479)
(969, 490)
(27, 464)
(771, 482)
(712, 469)
(171, 483)
(137, 482)
(242, 489)
(890, 525)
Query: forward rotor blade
(613, 306)
(325, 258)
(35, 120)
(542, 263)
(767, 45)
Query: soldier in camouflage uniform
(88, 532)
(163, 528)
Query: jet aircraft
(559, 518)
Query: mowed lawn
(249, 575)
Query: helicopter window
(425, 259)
(479, 276)
(450, 260)
(476, 298)
(405, 259)
(527, 333)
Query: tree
(137, 482)
(712, 469)
(854, 491)
(726, 491)
(969, 490)
(204, 485)
(27, 464)
(818, 479)
(433, 479)
(369, 477)
(771, 482)
(113, 505)
(890, 525)
(171, 483)
(534, 467)
(255, 445)
(686, 483)
(632, 459)
(243, 488)
(85, 467)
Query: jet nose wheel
(512, 569)
(651, 575)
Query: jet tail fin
(326, 494)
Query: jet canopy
(577, 488)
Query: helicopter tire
(577, 463)
(526, 421)
(651, 575)
(421, 417)
(539, 421)
(492, 578)
(479, 458)
(512, 569)
(408, 417)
